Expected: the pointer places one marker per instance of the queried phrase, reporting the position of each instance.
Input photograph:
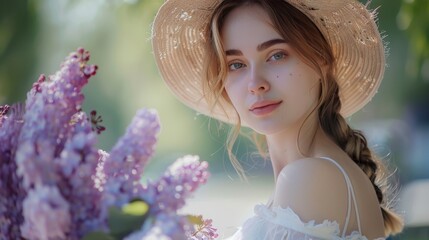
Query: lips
(264, 107)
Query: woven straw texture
(178, 42)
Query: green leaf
(136, 208)
(122, 223)
(98, 236)
(197, 220)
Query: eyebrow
(269, 43)
(233, 52)
(260, 47)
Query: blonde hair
(304, 36)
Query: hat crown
(350, 29)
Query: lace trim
(285, 222)
(286, 217)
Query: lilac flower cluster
(124, 166)
(48, 154)
(167, 195)
(58, 185)
(10, 183)
(182, 178)
(204, 231)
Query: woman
(291, 70)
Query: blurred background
(36, 35)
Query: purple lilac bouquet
(55, 184)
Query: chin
(270, 126)
(265, 129)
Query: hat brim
(178, 40)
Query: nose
(257, 83)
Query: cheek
(315, 90)
(300, 88)
(305, 83)
(231, 94)
(227, 92)
(308, 93)
(237, 98)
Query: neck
(294, 144)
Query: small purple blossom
(77, 165)
(176, 185)
(10, 183)
(124, 166)
(12, 195)
(46, 214)
(10, 125)
(204, 231)
(173, 225)
(165, 226)
(38, 83)
(3, 111)
(53, 100)
(34, 165)
(100, 178)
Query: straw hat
(179, 38)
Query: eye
(277, 56)
(235, 66)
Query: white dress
(277, 223)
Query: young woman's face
(271, 88)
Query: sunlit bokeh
(36, 35)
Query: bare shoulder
(314, 188)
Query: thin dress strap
(350, 195)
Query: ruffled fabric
(284, 224)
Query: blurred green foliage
(19, 23)
(413, 18)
